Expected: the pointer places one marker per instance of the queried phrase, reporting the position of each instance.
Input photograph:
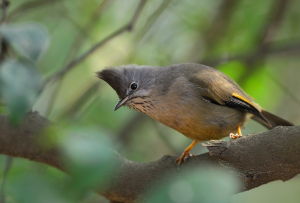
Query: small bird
(198, 101)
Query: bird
(196, 100)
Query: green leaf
(89, 158)
(28, 40)
(205, 185)
(19, 87)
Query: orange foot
(183, 157)
(236, 135)
(186, 154)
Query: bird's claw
(235, 135)
(183, 157)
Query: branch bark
(261, 158)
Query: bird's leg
(236, 135)
(186, 153)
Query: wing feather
(219, 89)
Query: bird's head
(132, 83)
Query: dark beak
(121, 103)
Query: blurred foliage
(28, 40)
(40, 37)
(19, 87)
(207, 184)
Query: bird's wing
(219, 89)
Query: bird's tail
(272, 119)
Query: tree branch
(261, 158)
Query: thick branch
(261, 158)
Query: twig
(219, 24)
(4, 6)
(285, 89)
(125, 28)
(164, 138)
(81, 100)
(289, 47)
(89, 25)
(52, 98)
(153, 18)
(123, 136)
(26, 6)
(266, 34)
(218, 27)
(277, 12)
(77, 43)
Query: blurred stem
(64, 14)
(219, 25)
(3, 50)
(153, 18)
(4, 7)
(266, 34)
(129, 127)
(125, 28)
(7, 166)
(53, 97)
(76, 46)
(164, 138)
(81, 100)
(254, 55)
(285, 89)
(26, 6)
(73, 63)
(94, 18)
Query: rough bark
(260, 158)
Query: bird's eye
(133, 86)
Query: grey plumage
(196, 100)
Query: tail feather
(272, 119)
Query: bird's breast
(198, 119)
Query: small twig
(153, 17)
(76, 45)
(52, 98)
(4, 6)
(266, 34)
(94, 18)
(218, 26)
(26, 6)
(125, 28)
(126, 131)
(81, 100)
(164, 138)
(284, 88)
(289, 47)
